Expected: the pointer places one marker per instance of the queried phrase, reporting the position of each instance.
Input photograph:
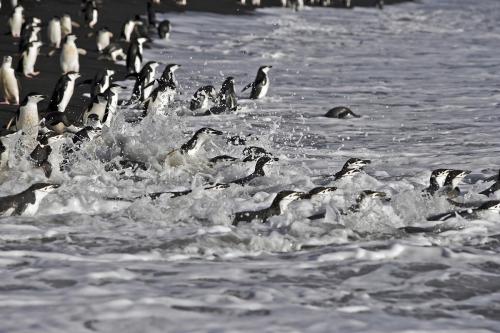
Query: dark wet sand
(112, 14)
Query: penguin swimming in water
(103, 39)
(261, 84)
(164, 29)
(436, 181)
(54, 32)
(69, 58)
(16, 21)
(341, 112)
(278, 207)
(351, 167)
(8, 80)
(166, 90)
(201, 98)
(253, 153)
(493, 188)
(179, 157)
(27, 202)
(134, 55)
(258, 172)
(101, 82)
(452, 180)
(363, 196)
(492, 206)
(63, 91)
(27, 118)
(227, 100)
(28, 60)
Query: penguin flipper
(247, 86)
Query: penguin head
(71, 38)
(265, 69)
(438, 177)
(284, 198)
(207, 131)
(321, 191)
(7, 60)
(252, 153)
(371, 194)
(18, 9)
(355, 163)
(73, 75)
(35, 97)
(455, 177)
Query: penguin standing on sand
(69, 58)
(63, 92)
(27, 118)
(27, 61)
(261, 84)
(8, 80)
(134, 55)
(27, 202)
(103, 39)
(54, 32)
(164, 29)
(16, 21)
(101, 82)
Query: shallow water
(424, 77)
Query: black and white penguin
(201, 98)
(363, 196)
(351, 167)
(114, 52)
(144, 82)
(278, 207)
(164, 29)
(258, 172)
(54, 32)
(8, 82)
(166, 90)
(16, 21)
(59, 123)
(187, 151)
(103, 39)
(128, 29)
(91, 13)
(436, 181)
(341, 112)
(63, 92)
(27, 118)
(134, 55)
(261, 84)
(492, 206)
(27, 61)
(319, 191)
(30, 34)
(227, 100)
(27, 202)
(67, 25)
(493, 188)
(98, 108)
(253, 153)
(69, 58)
(452, 180)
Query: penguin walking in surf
(91, 13)
(134, 55)
(341, 112)
(69, 58)
(63, 92)
(27, 202)
(260, 86)
(27, 117)
(27, 61)
(166, 90)
(9, 84)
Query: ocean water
(425, 78)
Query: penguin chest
(28, 120)
(69, 58)
(68, 92)
(261, 89)
(32, 208)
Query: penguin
(90, 13)
(166, 90)
(164, 29)
(436, 181)
(8, 80)
(27, 61)
(258, 172)
(351, 167)
(493, 188)
(66, 25)
(69, 59)
(278, 207)
(134, 55)
(145, 79)
(54, 32)
(367, 194)
(261, 84)
(112, 104)
(16, 21)
(4, 155)
(128, 28)
(452, 180)
(491, 206)
(40, 158)
(227, 100)
(27, 118)
(27, 202)
(179, 157)
(30, 34)
(98, 108)
(63, 91)
(319, 192)
(113, 52)
(101, 82)
(341, 112)
(59, 123)
(103, 39)
(201, 98)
